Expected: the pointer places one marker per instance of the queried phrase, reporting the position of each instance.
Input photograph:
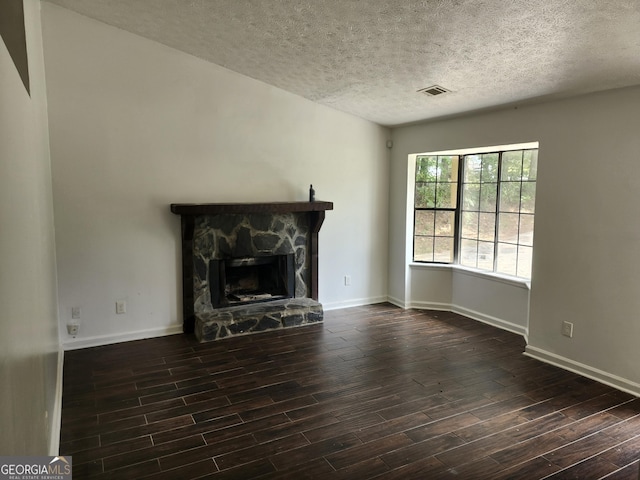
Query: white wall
(586, 265)
(499, 301)
(30, 394)
(136, 126)
(430, 287)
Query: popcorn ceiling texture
(369, 57)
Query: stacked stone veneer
(227, 236)
(257, 317)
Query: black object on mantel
(312, 194)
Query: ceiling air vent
(433, 90)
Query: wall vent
(433, 90)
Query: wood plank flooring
(375, 392)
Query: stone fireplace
(249, 267)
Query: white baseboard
(533, 352)
(419, 305)
(357, 302)
(397, 302)
(493, 321)
(584, 370)
(56, 414)
(121, 337)
(480, 317)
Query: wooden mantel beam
(227, 208)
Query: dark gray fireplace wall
(226, 236)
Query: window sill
(496, 277)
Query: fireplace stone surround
(241, 233)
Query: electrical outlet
(72, 329)
(347, 280)
(567, 329)
(75, 313)
(121, 307)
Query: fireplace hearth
(248, 268)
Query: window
(476, 209)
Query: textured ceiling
(369, 57)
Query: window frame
(435, 209)
(459, 208)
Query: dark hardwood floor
(374, 392)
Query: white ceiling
(369, 57)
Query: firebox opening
(251, 279)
